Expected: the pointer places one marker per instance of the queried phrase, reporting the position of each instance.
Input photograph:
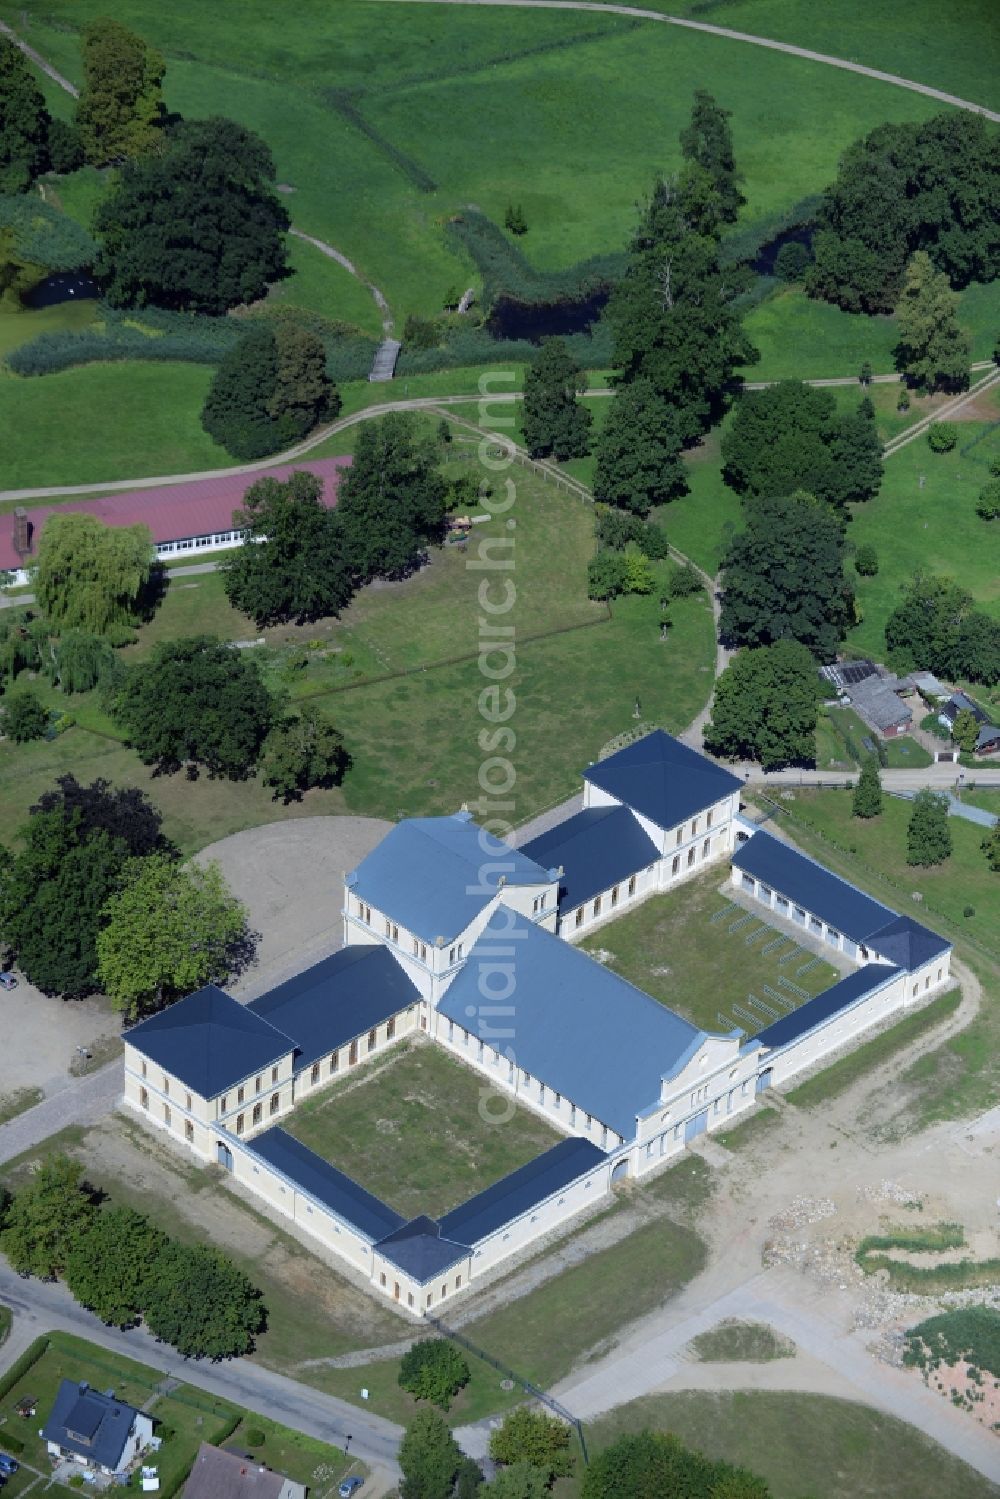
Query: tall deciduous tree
(519, 1481)
(639, 461)
(202, 1304)
(24, 122)
(303, 752)
(169, 929)
(120, 113)
(293, 565)
(933, 352)
(46, 1219)
(783, 577)
(196, 227)
(110, 1265)
(391, 503)
(928, 836)
(433, 1369)
(74, 847)
(765, 707)
(868, 791)
(533, 1437)
(653, 1464)
(991, 848)
(554, 421)
(195, 702)
(429, 1457)
(935, 627)
(965, 730)
(933, 186)
(91, 576)
(270, 389)
(708, 141)
(789, 436)
(673, 316)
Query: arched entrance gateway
(619, 1172)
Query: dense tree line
(126, 1270)
(936, 628)
(933, 186)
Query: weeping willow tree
(90, 576)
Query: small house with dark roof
(95, 1429)
(428, 889)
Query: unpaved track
(726, 32)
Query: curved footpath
(639, 13)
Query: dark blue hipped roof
(663, 779)
(597, 848)
(209, 1041)
(92, 1425)
(809, 885)
(421, 1250)
(337, 999)
(817, 1011)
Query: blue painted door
(225, 1155)
(764, 1080)
(696, 1126)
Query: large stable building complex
(451, 935)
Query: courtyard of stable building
(424, 1125)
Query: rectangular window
(690, 857)
(390, 1028)
(705, 848)
(631, 886)
(578, 919)
(314, 1073)
(451, 956)
(222, 1103)
(187, 1097)
(416, 947)
(395, 932)
(166, 1084)
(458, 1282)
(371, 1040)
(542, 901)
(352, 1055)
(334, 1061)
(915, 988)
(388, 927)
(143, 1098)
(614, 895)
(275, 1102)
(188, 1131)
(240, 1094)
(572, 1113)
(381, 1279)
(694, 828)
(258, 1113)
(597, 906)
(451, 1030)
(708, 819)
(423, 952)
(675, 866)
(257, 1083)
(166, 1114)
(144, 1069)
(274, 1074)
(460, 951)
(680, 836)
(444, 1290)
(240, 1122)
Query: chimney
(22, 532)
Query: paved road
(42, 1307)
(83, 1101)
(729, 35)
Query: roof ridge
(793, 848)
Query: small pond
(537, 320)
(63, 286)
(799, 234)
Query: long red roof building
(196, 516)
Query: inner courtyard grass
(801, 1444)
(672, 949)
(408, 1127)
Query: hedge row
(505, 270)
(475, 346)
(20, 1367)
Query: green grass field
(801, 1444)
(408, 1127)
(671, 948)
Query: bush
(994, 466)
(25, 716)
(10, 1442)
(968, 912)
(903, 404)
(434, 1370)
(866, 560)
(685, 582)
(942, 437)
(254, 1437)
(988, 503)
(420, 333)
